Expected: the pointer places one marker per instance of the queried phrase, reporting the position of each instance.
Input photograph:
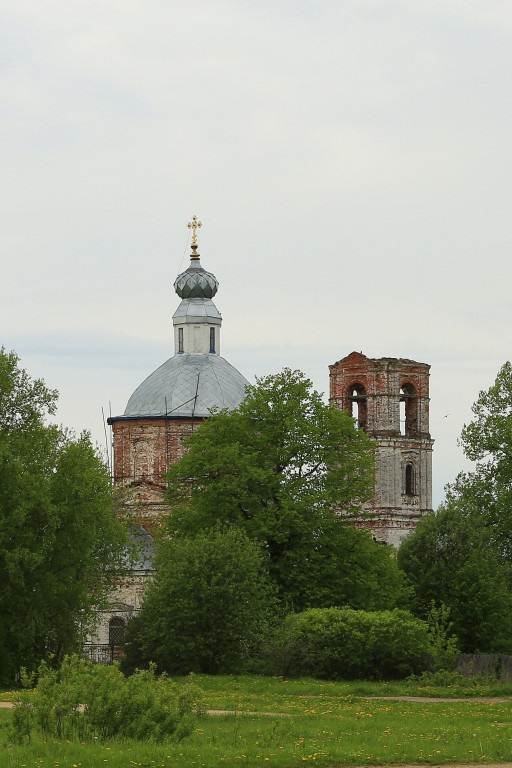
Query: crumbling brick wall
(389, 398)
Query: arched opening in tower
(358, 405)
(408, 411)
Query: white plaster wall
(196, 339)
(124, 601)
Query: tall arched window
(358, 404)
(410, 480)
(116, 630)
(408, 410)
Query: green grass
(265, 692)
(324, 723)
(7, 694)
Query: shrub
(341, 643)
(91, 701)
(209, 608)
(444, 648)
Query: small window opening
(409, 480)
(408, 411)
(180, 341)
(212, 339)
(116, 630)
(358, 405)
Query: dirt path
(420, 699)
(484, 699)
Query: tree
(60, 542)
(208, 609)
(451, 559)
(486, 492)
(462, 556)
(279, 467)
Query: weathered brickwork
(389, 398)
(145, 448)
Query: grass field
(326, 724)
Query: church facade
(388, 398)
(162, 412)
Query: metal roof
(197, 311)
(196, 282)
(188, 385)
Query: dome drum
(197, 311)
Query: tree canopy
(451, 559)
(61, 544)
(486, 491)
(462, 556)
(281, 467)
(208, 609)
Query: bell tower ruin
(389, 399)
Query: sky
(350, 160)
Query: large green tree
(452, 559)
(281, 467)
(463, 554)
(486, 491)
(60, 541)
(208, 609)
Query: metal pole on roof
(106, 441)
(166, 435)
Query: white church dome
(188, 386)
(197, 379)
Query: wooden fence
(496, 665)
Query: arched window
(358, 404)
(410, 480)
(408, 411)
(116, 630)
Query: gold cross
(194, 226)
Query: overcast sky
(350, 161)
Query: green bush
(209, 608)
(344, 644)
(444, 645)
(88, 701)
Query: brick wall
(390, 399)
(145, 448)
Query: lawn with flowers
(289, 723)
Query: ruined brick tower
(389, 398)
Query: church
(387, 397)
